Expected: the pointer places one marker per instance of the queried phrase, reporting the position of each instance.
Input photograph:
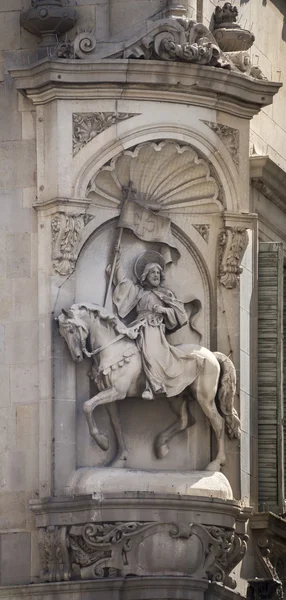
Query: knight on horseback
(168, 369)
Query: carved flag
(147, 225)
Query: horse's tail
(225, 395)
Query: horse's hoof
(162, 450)
(102, 441)
(213, 466)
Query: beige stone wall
(266, 19)
(19, 431)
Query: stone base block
(107, 480)
(147, 588)
(140, 534)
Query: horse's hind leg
(162, 440)
(204, 392)
(122, 453)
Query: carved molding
(232, 245)
(66, 232)
(204, 231)
(230, 138)
(166, 175)
(113, 549)
(87, 126)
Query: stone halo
(150, 256)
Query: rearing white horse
(118, 373)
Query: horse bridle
(131, 333)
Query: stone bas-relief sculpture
(137, 361)
(127, 548)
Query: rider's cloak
(169, 369)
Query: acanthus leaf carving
(232, 245)
(165, 39)
(230, 138)
(87, 126)
(54, 554)
(204, 231)
(66, 232)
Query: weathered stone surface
(16, 545)
(18, 248)
(106, 480)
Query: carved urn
(48, 19)
(228, 34)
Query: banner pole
(117, 246)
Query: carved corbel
(232, 245)
(66, 233)
(54, 554)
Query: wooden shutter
(270, 377)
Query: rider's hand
(108, 270)
(159, 309)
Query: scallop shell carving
(165, 174)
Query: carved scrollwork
(165, 39)
(127, 548)
(186, 41)
(232, 245)
(66, 231)
(87, 126)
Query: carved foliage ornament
(232, 245)
(87, 126)
(166, 39)
(204, 231)
(66, 231)
(127, 548)
(230, 138)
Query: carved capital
(66, 232)
(129, 548)
(232, 245)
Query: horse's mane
(104, 315)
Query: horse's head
(74, 332)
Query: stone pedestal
(140, 534)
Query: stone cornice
(269, 179)
(212, 87)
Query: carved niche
(165, 175)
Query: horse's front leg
(104, 397)
(122, 452)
